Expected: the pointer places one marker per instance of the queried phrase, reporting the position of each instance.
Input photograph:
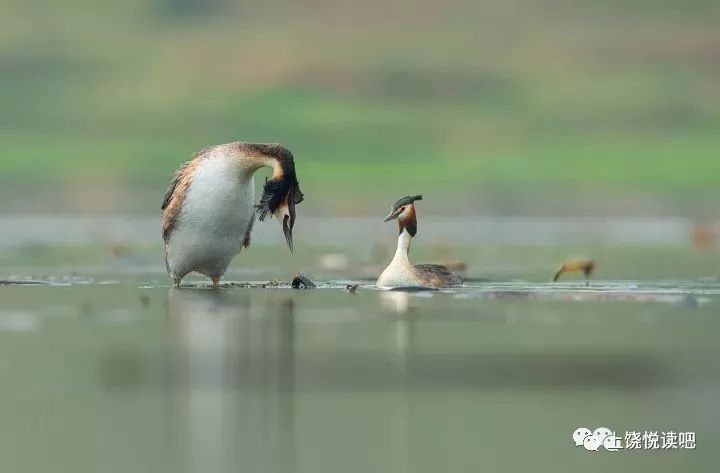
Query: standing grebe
(400, 271)
(209, 208)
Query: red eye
(402, 209)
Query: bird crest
(406, 201)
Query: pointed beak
(393, 215)
(287, 230)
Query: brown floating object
(577, 266)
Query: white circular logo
(580, 435)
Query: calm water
(135, 376)
(104, 368)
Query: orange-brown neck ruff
(408, 220)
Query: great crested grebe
(209, 208)
(576, 266)
(401, 272)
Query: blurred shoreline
(670, 233)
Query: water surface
(131, 375)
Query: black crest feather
(406, 201)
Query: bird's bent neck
(251, 164)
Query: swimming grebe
(576, 266)
(209, 208)
(401, 272)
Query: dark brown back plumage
(437, 275)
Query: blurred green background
(529, 116)
(494, 107)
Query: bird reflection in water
(233, 379)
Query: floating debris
(352, 288)
(302, 282)
(145, 300)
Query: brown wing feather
(175, 195)
(174, 181)
(174, 200)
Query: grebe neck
(403, 246)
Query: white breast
(216, 214)
(397, 274)
(399, 271)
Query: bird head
(404, 211)
(285, 213)
(280, 196)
